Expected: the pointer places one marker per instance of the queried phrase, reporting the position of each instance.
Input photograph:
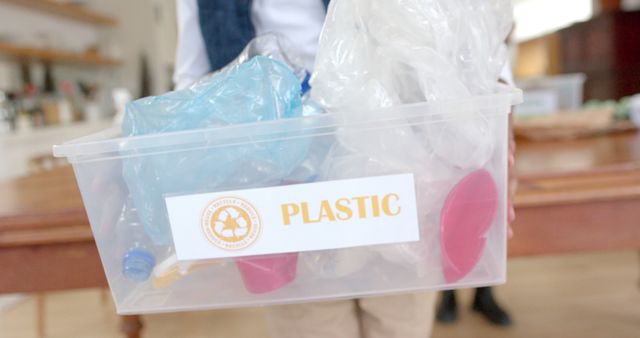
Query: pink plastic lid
(467, 215)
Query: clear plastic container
(558, 92)
(457, 166)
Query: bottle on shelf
(29, 114)
(91, 107)
(6, 113)
(66, 105)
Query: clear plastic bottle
(138, 259)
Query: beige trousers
(401, 316)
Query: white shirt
(299, 21)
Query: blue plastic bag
(260, 89)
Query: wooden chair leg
(40, 315)
(131, 326)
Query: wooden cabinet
(607, 50)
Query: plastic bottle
(139, 258)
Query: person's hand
(513, 181)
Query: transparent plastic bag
(260, 89)
(277, 47)
(383, 53)
(378, 53)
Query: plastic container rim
(110, 141)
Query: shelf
(70, 11)
(57, 56)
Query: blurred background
(68, 67)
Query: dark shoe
(485, 304)
(448, 309)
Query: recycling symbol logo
(231, 223)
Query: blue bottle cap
(137, 264)
(305, 87)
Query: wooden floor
(586, 296)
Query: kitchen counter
(17, 148)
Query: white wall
(26, 27)
(132, 37)
(166, 36)
(144, 26)
(34, 28)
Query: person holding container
(211, 34)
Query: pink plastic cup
(262, 274)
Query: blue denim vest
(226, 28)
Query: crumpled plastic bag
(383, 53)
(390, 53)
(260, 89)
(274, 46)
(380, 53)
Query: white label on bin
(295, 218)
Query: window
(538, 17)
